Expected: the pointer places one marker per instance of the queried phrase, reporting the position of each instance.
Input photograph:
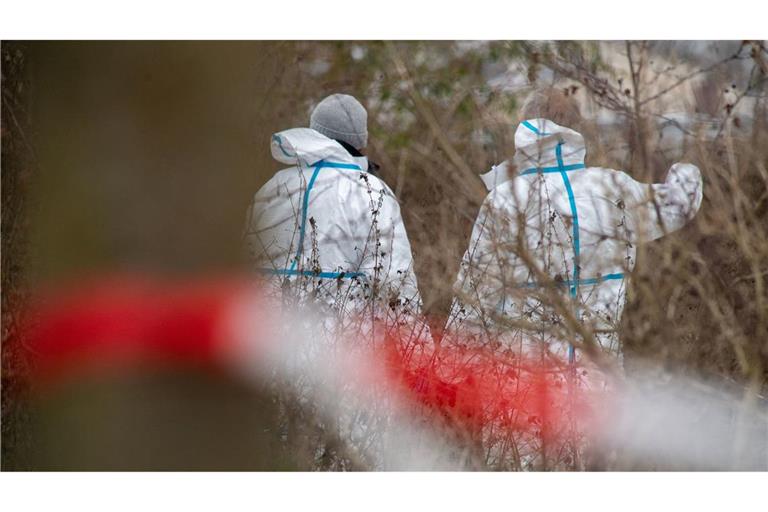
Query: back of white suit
(325, 231)
(561, 230)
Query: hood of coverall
(536, 142)
(306, 147)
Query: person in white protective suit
(329, 232)
(556, 238)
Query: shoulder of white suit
(305, 147)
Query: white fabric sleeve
(397, 270)
(490, 260)
(380, 249)
(659, 209)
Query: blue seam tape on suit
(569, 167)
(305, 204)
(575, 214)
(582, 282)
(311, 273)
(533, 128)
(575, 221)
(279, 141)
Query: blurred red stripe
(132, 320)
(126, 321)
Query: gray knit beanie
(341, 117)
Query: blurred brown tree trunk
(17, 162)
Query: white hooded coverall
(333, 233)
(559, 225)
